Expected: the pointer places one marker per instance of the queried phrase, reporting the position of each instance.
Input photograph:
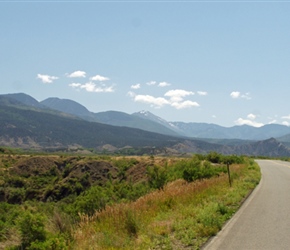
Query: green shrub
(31, 226)
(231, 159)
(196, 170)
(8, 214)
(157, 177)
(15, 181)
(15, 195)
(214, 157)
(52, 243)
(90, 201)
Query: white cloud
(177, 95)
(107, 89)
(163, 84)
(154, 101)
(185, 104)
(286, 117)
(92, 87)
(175, 99)
(203, 93)
(272, 122)
(246, 96)
(99, 78)
(249, 121)
(46, 78)
(253, 123)
(75, 85)
(286, 123)
(235, 94)
(136, 86)
(76, 74)
(151, 83)
(131, 94)
(89, 86)
(251, 116)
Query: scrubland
(117, 202)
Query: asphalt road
(263, 221)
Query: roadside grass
(182, 215)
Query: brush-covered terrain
(116, 202)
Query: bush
(8, 213)
(231, 159)
(90, 201)
(31, 228)
(214, 157)
(197, 170)
(157, 177)
(15, 195)
(15, 181)
(52, 243)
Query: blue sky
(222, 62)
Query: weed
(131, 223)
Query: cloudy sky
(222, 62)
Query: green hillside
(51, 130)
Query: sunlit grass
(182, 215)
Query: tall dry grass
(182, 215)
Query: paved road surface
(263, 222)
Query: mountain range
(152, 123)
(55, 124)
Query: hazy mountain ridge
(244, 132)
(41, 128)
(115, 118)
(24, 99)
(149, 116)
(66, 106)
(22, 127)
(214, 131)
(270, 147)
(147, 121)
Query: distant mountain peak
(149, 116)
(144, 112)
(24, 99)
(66, 105)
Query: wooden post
(229, 174)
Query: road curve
(263, 221)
